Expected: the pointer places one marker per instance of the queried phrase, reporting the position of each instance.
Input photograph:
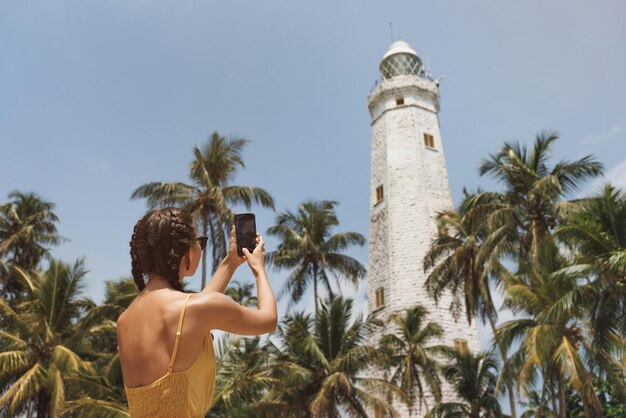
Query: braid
(137, 270)
(177, 232)
(159, 241)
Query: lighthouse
(408, 186)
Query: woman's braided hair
(159, 241)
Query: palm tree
(596, 234)
(474, 379)
(334, 354)
(610, 398)
(536, 406)
(299, 381)
(520, 218)
(552, 346)
(208, 196)
(120, 293)
(410, 355)
(244, 377)
(27, 227)
(462, 261)
(101, 321)
(308, 248)
(242, 293)
(46, 353)
(528, 208)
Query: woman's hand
(232, 257)
(256, 258)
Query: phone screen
(246, 233)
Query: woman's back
(166, 349)
(163, 376)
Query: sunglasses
(203, 241)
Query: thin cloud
(616, 176)
(599, 138)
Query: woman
(164, 340)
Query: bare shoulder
(120, 325)
(208, 307)
(126, 314)
(206, 302)
(121, 319)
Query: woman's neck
(156, 282)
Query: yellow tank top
(185, 393)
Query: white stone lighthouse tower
(409, 185)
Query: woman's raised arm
(218, 311)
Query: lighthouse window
(429, 140)
(379, 193)
(399, 101)
(380, 297)
(460, 345)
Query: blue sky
(97, 98)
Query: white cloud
(598, 138)
(616, 176)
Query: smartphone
(245, 232)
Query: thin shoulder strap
(178, 331)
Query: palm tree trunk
(205, 229)
(591, 403)
(474, 410)
(587, 409)
(553, 396)
(219, 242)
(315, 287)
(222, 240)
(509, 385)
(43, 405)
(562, 407)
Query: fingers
(260, 243)
(232, 234)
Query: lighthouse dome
(400, 59)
